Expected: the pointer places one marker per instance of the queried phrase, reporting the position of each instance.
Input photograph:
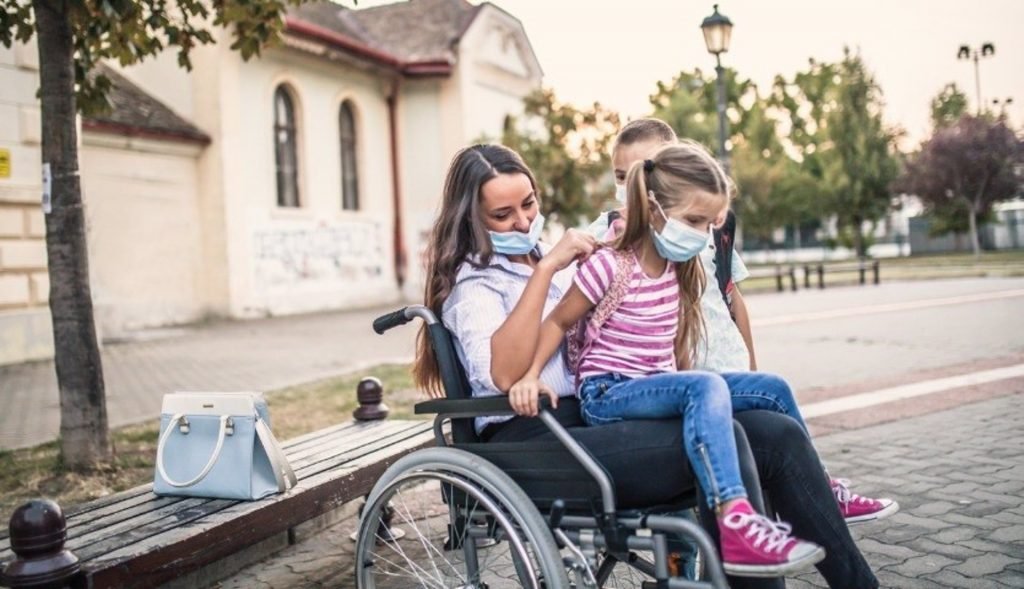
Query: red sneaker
(755, 546)
(857, 509)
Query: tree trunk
(83, 409)
(972, 219)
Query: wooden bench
(860, 267)
(779, 273)
(137, 539)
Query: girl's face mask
(677, 241)
(513, 243)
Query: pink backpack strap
(611, 300)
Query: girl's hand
(524, 395)
(574, 245)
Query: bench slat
(181, 549)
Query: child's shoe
(857, 509)
(755, 546)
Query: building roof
(404, 34)
(134, 112)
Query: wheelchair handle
(403, 316)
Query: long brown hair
(458, 235)
(675, 176)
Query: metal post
(821, 276)
(807, 276)
(875, 270)
(977, 79)
(778, 279)
(723, 153)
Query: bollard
(821, 276)
(807, 276)
(778, 279)
(38, 532)
(792, 278)
(874, 268)
(370, 395)
(862, 273)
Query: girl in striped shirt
(630, 361)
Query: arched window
(349, 167)
(286, 148)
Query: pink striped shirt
(637, 339)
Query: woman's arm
(523, 395)
(739, 312)
(514, 344)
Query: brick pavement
(958, 474)
(273, 353)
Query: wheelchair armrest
(474, 407)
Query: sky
(615, 52)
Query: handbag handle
(224, 419)
(283, 473)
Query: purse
(219, 445)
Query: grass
(989, 264)
(34, 472)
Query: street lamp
(975, 54)
(1002, 104)
(717, 34)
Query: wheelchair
(540, 515)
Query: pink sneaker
(857, 509)
(755, 546)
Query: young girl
(726, 346)
(628, 368)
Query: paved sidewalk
(256, 355)
(958, 474)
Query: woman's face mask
(677, 241)
(513, 243)
(620, 193)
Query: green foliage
(965, 168)
(130, 31)
(948, 106)
(834, 116)
(568, 150)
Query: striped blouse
(637, 338)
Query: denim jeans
(762, 390)
(700, 398)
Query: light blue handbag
(219, 445)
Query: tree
(948, 106)
(834, 114)
(972, 164)
(73, 36)
(568, 150)
(772, 188)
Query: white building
(302, 181)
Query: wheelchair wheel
(467, 524)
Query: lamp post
(717, 30)
(1002, 104)
(975, 54)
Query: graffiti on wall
(340, 252)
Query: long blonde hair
(676, 176)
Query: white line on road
(887, 308)
(908, 391)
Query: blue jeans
(700, 398)
(696, 396)
(762, 390)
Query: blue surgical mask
(514, 243)
(677, 241)
(620, 193)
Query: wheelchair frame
(596, 542)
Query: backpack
(581, 337)
(724, 237)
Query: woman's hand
(524, 396)
(574, 245)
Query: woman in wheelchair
(492, 281)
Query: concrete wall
(25, 330)
(316, 256)
(143, 227)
